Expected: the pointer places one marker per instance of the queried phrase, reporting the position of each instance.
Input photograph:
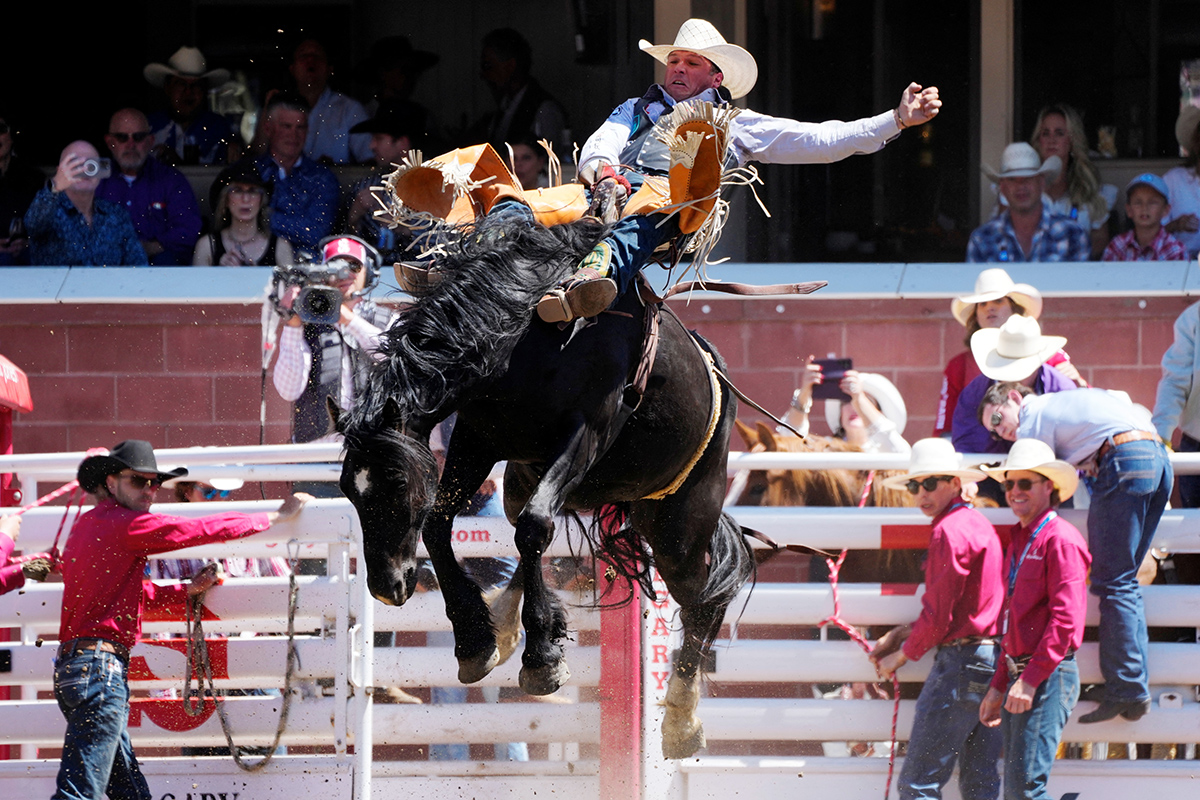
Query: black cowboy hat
(390, 52)
(242, 171)
(396, 118)
(133, 454)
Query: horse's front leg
(543, 663)
(474, 640)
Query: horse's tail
(731, 565)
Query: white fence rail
(337, 619)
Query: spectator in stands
(241, 235)
(529, 160)
(960, 613)
(1036, 684)
(188, 132)
(391, 70)
(1183, 183)
(1026, 229)
(1102, 434)
(69, 226)
(19, 183)
(523, 107)
(304, 194)
(1147, 202)
(395, 130)
(1015, 351)
(158, 198)
(303, 373)
(996, 298)
(1076, 191)
(331, 114)
(873, 420)
(103, 564)
(14, 574)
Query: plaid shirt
(1057, 238)
(1125, 247)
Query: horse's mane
(462, 330)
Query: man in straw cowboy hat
(701, 67)
(1017, 351)
(189, 132)
(1100, 433)
(103, 563)
(1036, 684)
(1026, 230)
(959, 615)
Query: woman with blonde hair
(1077, 191)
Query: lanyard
(1015, 565)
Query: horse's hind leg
(505, 605)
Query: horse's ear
(746, 432)
(391, 417)
(335, 413)
(767, 437)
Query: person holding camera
(864, 409)
(320, 359)
(69, 226)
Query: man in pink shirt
(959, 613)
(1037, 685)
(103, 564)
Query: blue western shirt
(59, 236)
(1057, 238)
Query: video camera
(320, 300)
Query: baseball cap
(1153, 181)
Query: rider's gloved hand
(610, 190)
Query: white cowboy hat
(223, 484)
(699, 36)
(883, 392)
(992, 284)
(188, 62)
(1015, 350)
(1034, 455)
(1185, 126)
(935, 456)
(1020, 160)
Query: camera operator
(69, 226)
(319, 360)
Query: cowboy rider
(701, 66)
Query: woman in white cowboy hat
(873, 420)
(1184, 183)
(996, 298)
(1016, 351)
(1036, 684)
(959, 616)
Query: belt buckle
(1014, 671)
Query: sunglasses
(138, 137)
(928, 484)
(1024, 484)
(140, 482)
(212, 494)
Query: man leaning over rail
(959, 616)
(103, 596)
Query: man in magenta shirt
(13, 574)
(959, 613)
(103, 564)
(1037, 684)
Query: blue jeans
(93, 694)
(1129, 493)
(946, 728)
(1031, 739)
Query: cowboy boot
(586, 293)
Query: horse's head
(390, 477)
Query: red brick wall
(1115, 343)
(181, 376)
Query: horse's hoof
(477, 668)
(686, 747)
(545, 680)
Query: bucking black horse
(547, 399)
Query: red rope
(76, 499)
(836, 620)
